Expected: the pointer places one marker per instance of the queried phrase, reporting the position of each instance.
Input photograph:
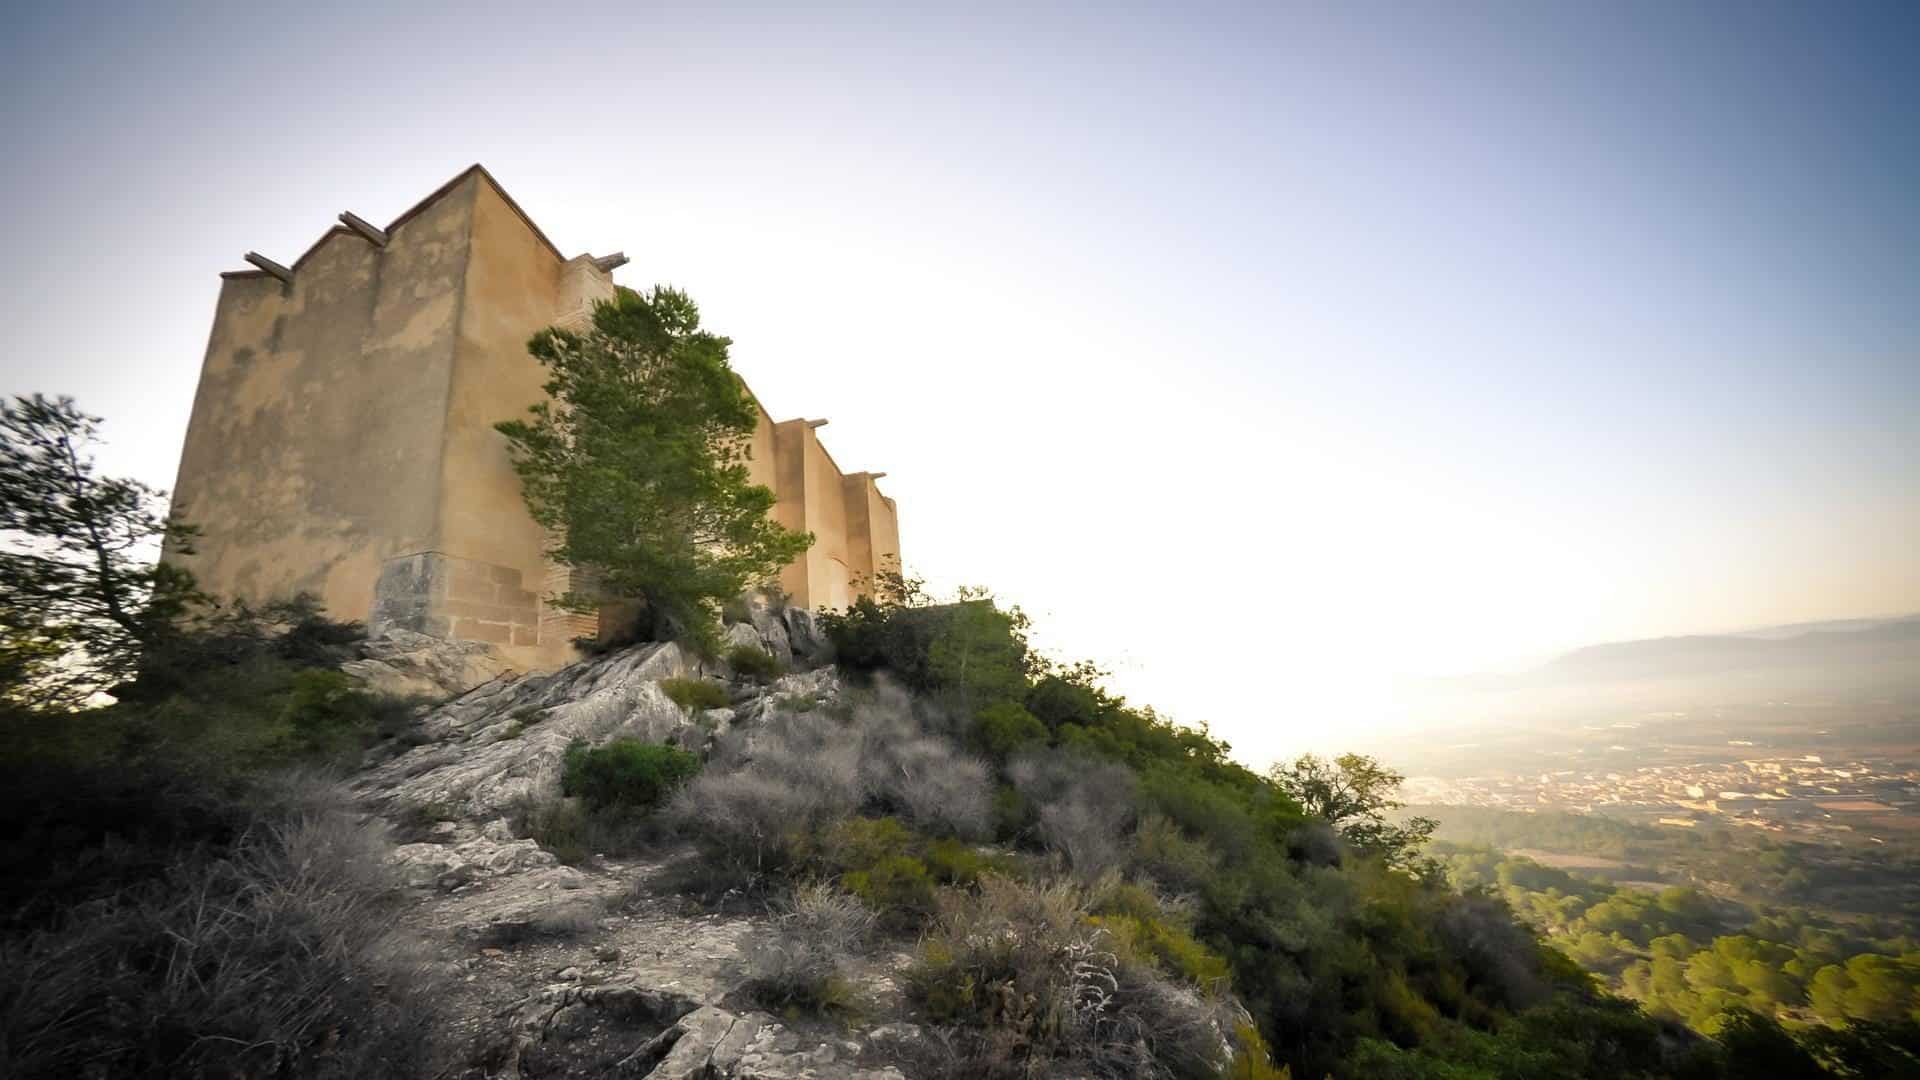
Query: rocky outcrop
(404, 664)
(501, 743)
(711, 1043)
(805, 636)
(589, 971)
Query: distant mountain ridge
(1849, 657)
(1865, 642)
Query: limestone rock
(700, 1032)
(808, 642)
(468, 858)
(405, 664)
(741, 635)
(502, 743)
(773, 635)
(712, 1042)
(422, 864)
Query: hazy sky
(1264, 354)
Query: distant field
(1567, 862)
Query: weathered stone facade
(342, 437)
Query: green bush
(859, 843)
(331, 713)
(1004, 728)
(692, 694)
(952, 862)
(971, 649)
(755, 663)
(876, 859)
(625, 772)
(898, 888)
(1015, 820)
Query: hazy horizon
(1306, 349)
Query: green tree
(82, 595)
(981, 652)
(1354, 793)
(638, 463)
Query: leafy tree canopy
(638, 463)
(80, 595)
(1354, 793)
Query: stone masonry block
(475, 630)
(467, 609)
(472, 588)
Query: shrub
(755, 663)
(751, 822)
(1030, 983)
(898, 887)
(574, 833)
(756, 808)
(1015, 820)
(1167, 855)
(1084, 805)
(275, 958)
(859, 843)
(692, 694)
(625, 772)
(921, 774)
(1173, 949)
(328, 714)
(560, 826)
(954, 863)
(970, 649)
(1252, 1060)
(1144, 927)
(893, 869)
(798, 963)
(1003, 729)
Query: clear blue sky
(1327, 342)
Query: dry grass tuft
(799, 962)
(272, 959)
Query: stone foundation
(460, 599)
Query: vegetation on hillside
(637, 464)
(1296, 892)
(176, 898)
(1692, 956)
(83, 597)
(1084, 884)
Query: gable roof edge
(416, 210)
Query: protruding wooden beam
(875, 475)
(816, 424)
(609, 263)
(285, 275)
(377, 237)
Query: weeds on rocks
(1030, 984)
(798, 963)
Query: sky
(1266, 355)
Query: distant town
(1804, 794)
